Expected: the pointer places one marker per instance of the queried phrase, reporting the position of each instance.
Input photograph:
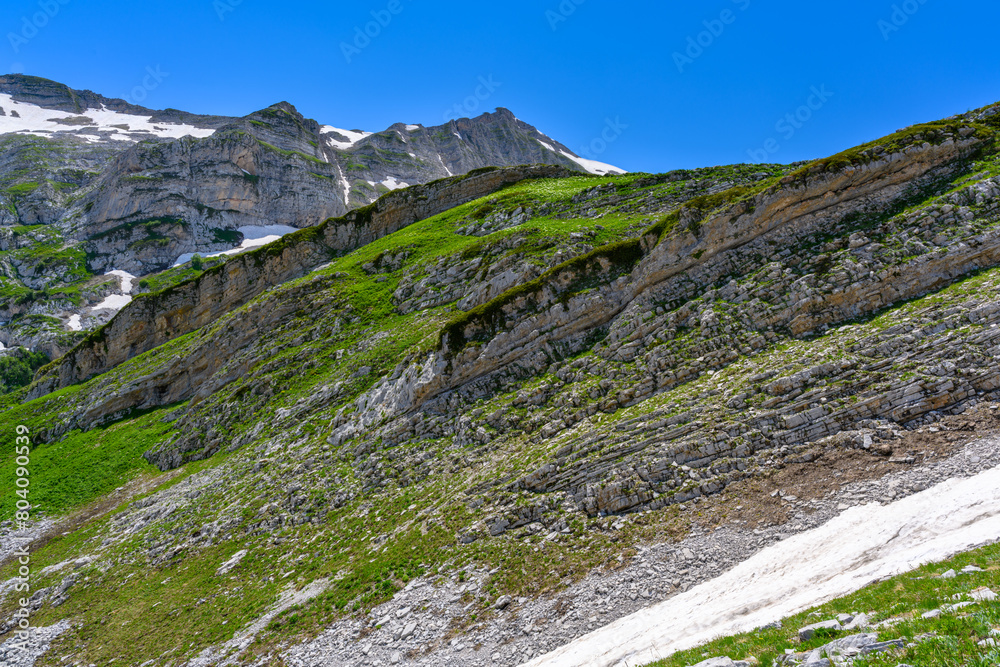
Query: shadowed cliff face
(134, 167)
(90, 185)
(152, 320)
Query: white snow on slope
(347, 186)
(74, 323)
(593, 166)
(114, 302)
(352, 136)
(127, 279)
(551, 148)
(253, 237)
(441, 160)
(412, 128)
(393, 184)
(838, 558)
(43, 122)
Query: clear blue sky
(606, 60)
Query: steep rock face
(545, 314)
(138, 204)
(500, 344)
(150, 321)
(414, 154)
(122, 187)
(160, 201)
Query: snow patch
(114, 302)
(551, 148)
(127, 279)
(352, 137)
(393, 184)
(74, 323)
(593, 166)
(347, 186)
(459, 136)
(253, 237)
(412, 128)
(121, 126)
(842, 556)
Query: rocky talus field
(473, 420)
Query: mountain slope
(89, 185)
(495, 400)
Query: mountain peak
(286, 107)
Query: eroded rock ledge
(154, 319)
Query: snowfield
(121, 126)
(352, 137)
(861, 545)
(127, 280)
(114, 301)
(593, 166)
(393, 184)
(253, 237)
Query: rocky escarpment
(161, 200)
(139, 204)
(669, 266)
(152, 320)
(121, 187)
(621, 295)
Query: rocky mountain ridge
(89, 185)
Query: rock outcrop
(121, 187)
(152, 320)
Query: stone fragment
(806, 633)
(983, 595)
